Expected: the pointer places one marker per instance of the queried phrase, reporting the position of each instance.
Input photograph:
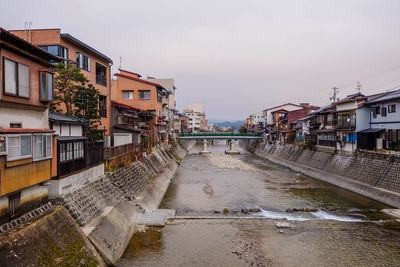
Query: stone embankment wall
(105, 209)
(372, 175)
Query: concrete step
(154, 217)
(392, 212)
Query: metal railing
(101, 80)
(220, 134)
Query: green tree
(67, 81)
(86, 102)
(242, 129)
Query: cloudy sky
(238, 57)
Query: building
(197, 117)
(276, 122)
(94, 65)
(170, 111)
(129, 89)
(256, 122)
(27, 149)
(380, 125)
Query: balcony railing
(115, 151)
(101, 80)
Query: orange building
(94, 65)
(27, 145)
(131, 90)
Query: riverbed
(246, 211)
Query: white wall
(362, 118)
(346, 106)
(28, 117)
(67, 129)
(289, 107)
(122, 139)
(382, 121)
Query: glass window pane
(26, 145)
(23, 80)
(37, 146)
(49, 145)
(50, 86)
(14, 147)
(44, 147)
(10, 77)
(53, 49)
(43, 94)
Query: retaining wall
(372, 175)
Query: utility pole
(333, 98)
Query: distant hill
(235, 124)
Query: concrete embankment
(105, 211)
(371, 175)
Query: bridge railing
(220, 134)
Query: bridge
(230, 137)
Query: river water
(246, 211)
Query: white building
(197, 118)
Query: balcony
(101, 80)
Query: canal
(246, 211)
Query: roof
(24, 130)
(349, 98)
(82, 44)
(26, 46)
(138, 80)
(121, 105)
(283, 105)
(134, 73)
(58, 117)
(371, 130)
(71, 138)
(386, 97)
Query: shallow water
(208, 184)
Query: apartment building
(94, 65)
(27, 145)
(197, 117)
(131, 90)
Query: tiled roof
(25, 130)
(389, 96)
(138, 80)
(58, 117)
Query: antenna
(120, 62)
(334, 94)
(358, 88)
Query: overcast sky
(238, 57)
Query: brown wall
(126, 84)
(23, 173)
(53, 37)
(34, 85)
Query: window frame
(19, 157)
(47, 99)
(127, 91)
(16, 79)
(101, 113)
(392, 108)
(140, 98)
(81, 63)
(43, 136)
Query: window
(376, 111)
(127, 94)
(56, 50)
(42, 146)
(46, 86)
(101, 74)
(159, 97)
(144, 94)
(82, 61)
(390, 135)
(71, 151)
(16, 78)
(19, 147)
(15, 124)
(383, 114)
(103, 106)
(392, 108)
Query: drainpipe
(111, 117)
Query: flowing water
(297, 220)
